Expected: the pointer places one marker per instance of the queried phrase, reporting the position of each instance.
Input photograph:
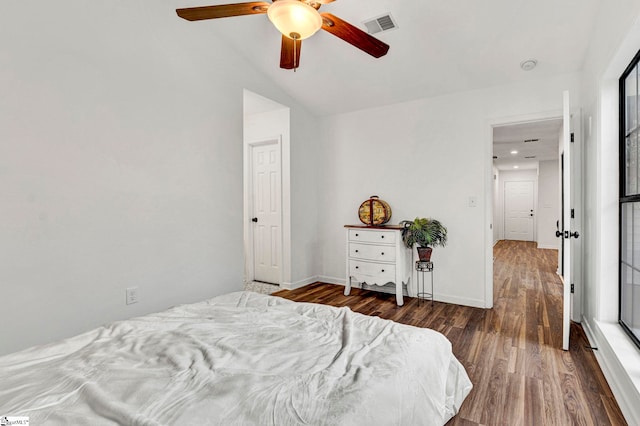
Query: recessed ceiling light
(529, 64)
(514, 152)
(516, 167)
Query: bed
(239, 359)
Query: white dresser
(376, 255)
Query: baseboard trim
(547, 247)
(299, 283)
(332, 280)
(455, 300)
(625, 391)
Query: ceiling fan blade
(353, 35)
(223, 10)
(288, 59)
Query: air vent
(380, 24)
(530, 156)
(531, 140)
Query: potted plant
(426, 233)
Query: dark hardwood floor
(512, 352)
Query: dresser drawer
(381, 272)
(372, 252)
(372, 236)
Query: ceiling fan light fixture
(294, 19)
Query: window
(629, 316)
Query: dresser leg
(347, 286)
(399, 293)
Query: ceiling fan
(296, 20)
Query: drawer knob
(357, 267)
(382, 236)
(382, 253)
(383, 270)
(356, 251)
(356, 235)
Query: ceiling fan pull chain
(295, 37)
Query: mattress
(239, 359)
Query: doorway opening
(266, 190)
(526, 199)
(526, 182)
(564, 184)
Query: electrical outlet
(132, 295)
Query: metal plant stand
(422, 268)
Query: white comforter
(239, 359)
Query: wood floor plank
(514, 406)
(534, 401)
(512, 352)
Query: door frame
(576, 113)
(249, 255)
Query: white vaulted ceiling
(439, 47)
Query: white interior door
(267, 212)
(518, 210)
(569, 234)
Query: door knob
(255, 219)
(568, 234)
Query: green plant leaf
(424, 232)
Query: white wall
(426, 158)
(548, 210)
(615, 40)
(121, 165)
(307, 210)
(515, 176)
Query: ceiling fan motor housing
(295, 19)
